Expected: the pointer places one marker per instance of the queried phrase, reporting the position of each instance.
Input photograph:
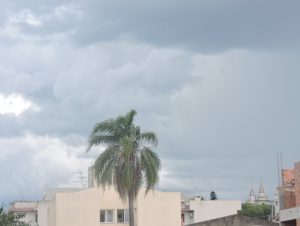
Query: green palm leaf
(127, 162)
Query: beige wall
(159, 209)
(83, 208)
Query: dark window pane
(102, 215)
(120, 216)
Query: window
(106, 216)
(123, 216)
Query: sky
(218, 81)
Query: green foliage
(10, 219)
(127, 162)
(255, 210)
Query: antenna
(278, 170)
(81, 179)
(281, 179)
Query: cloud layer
(217, 82)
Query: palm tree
(126, 163)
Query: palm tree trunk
(131, 208)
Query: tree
(255, 210)
(213, 196)
(10, 219)
(126, 163)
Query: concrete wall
(211, 209)
(235, 220)
(290, 214)
(188, 218)
(43, 209)
(51, 216)
(297, 187)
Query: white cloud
(25, 16)
(35, 162)
(13, 27)
(15, 104)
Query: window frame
(106, 216)
(125, 216)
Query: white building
(198, 210)
(28, 209)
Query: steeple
(261, 193)
(261, 188)
(258, 198)
(251, 195)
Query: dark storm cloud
(217, 80)
(198, 25)
(210, 26)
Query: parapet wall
(235, 220)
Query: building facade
(98, 207)
(198, 210)
(289, 197)
(28, 209)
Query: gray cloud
(209, 26)
(216, 80)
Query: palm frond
(103, 133)
(95, 140)
(148, 138)
(106, 126)
(126, 163)
(105, 165)
(150, 164)
(130, 116)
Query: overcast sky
(218, 81)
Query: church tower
(251, 196)
(262, 198)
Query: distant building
(260, 198)
(28, 209)
(36, 213)
(197, 209)
(289, 197)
